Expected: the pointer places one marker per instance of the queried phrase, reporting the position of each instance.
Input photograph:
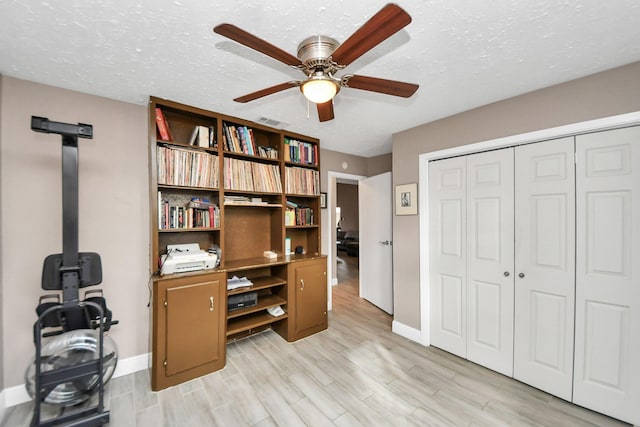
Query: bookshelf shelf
(222, 181)
(252, 205)
(251, 193)
(265, 302)
(251, 157)
(301, 165)
(181, 187)
(251, 322)
(189, 230)
(190, 146)
(309, 196)
(259, 283)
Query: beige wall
(347, 199)
(113, 211)
(332, 161)
(604, 94)
(379, 164)
(2, 322)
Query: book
(203, 136)
(163, 126)
(194, 135)
(289, 217)
(195, 204)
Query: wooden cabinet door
(311, 295)
(193, 333)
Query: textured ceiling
(463, 54)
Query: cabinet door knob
(301, 285)
(506, 274)
(521, 275)
(210, 303)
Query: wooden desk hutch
(245, 188)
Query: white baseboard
(408, 332)
(3, 406)
(132, 364)
(16, 395)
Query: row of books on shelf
(196, 214)
(201, 136)
(298, 216)
(242, 175)
(300, 152)
(240, 139)
(302, 181)
(185, 167)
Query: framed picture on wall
(323, 200)
(407, 199)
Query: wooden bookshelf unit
(244, 188)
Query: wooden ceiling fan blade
(325, 111)
(241, 36)
(374, 84)
(388, 21)
(267, 91)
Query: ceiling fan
(321, 57)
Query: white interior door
(490, 259)
(376, 258)
(607, 374)
(545, 265)
(447, 254)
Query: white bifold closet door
(545, 265)
(607, 347)
(447, 254)
(471, 257)
(490, 259)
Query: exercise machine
(78, 359)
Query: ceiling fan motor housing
(314, 52)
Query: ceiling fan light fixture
(319, 89)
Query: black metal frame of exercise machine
(68, 272)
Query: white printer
(186, 257)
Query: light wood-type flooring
(356, 373)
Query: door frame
(602, 124)
(329, 219)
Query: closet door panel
(490, 259)
(545, 265)
(447, 249)
(607, 373)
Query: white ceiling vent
(271, 122)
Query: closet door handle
(301, 285)
(210, 303)
(521, 275)
(506, 274)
